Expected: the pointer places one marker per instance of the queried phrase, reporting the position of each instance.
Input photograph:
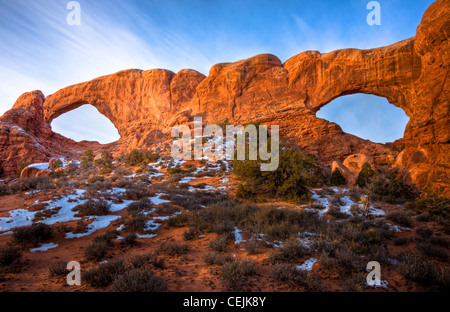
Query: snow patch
(44, 247)
(308, 265)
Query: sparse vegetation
(58, 268)
(295, 278)
(416, 268)
(233, 273)
(400, 217)
(10, 259)
(140, 157)
(35, 234)
(295, 170)
(100, 246)
(94, 208)
(173, 248)
(337, 178)
(139, 280)
(391, 186)
(365, 175)
(105, 273)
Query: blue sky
(40, 51)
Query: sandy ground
(185, 273)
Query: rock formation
(144, 105)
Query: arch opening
(367, 116)
(86, 123)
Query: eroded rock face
(144, 105)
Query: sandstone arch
(411, 74)
(134, 100)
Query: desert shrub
(345, 260)
(365, 175)
(99, 186)
(121, 171)
(379, 253)
(219, 244)
(57, 164)
(94, 208)
(253, 246)
(244, 192)
(136, 193)
(431, 204)
(81, 227)
(139, 280)
(292, 249)
(139, 157)
(58, 268)
(335, 212)
(88, 159)
(129, 240)
(433, 251)
(35, 234)
(157, 261)
(282, 272)
(391, 186)
(424, 217)
(33, 183)
(190, 234)
(400, 217)
(179, 220)
(138, 261)
(295, 170)
(176, 170)
(10, 258)
(355, 282)
(3, 189)
(136, 224)
(105, 162)
(139, 206)
(289, 274)
(100, 246)
(424, 233)
(337, 178)
(96, 178)
(400, 241)
(217, 258)
(97, 251)
(22, 166)
(173, 248)
(416, 268)
(232, 276)
(248, 266)
(439, 241)
(105, 273)
(443, 278)
(384, 233)
(277, 224)
(167, 210)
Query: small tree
(105, 162)
(337, 178)
(22, 166)
(365, 175)
(57, 164)
(87, 158)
